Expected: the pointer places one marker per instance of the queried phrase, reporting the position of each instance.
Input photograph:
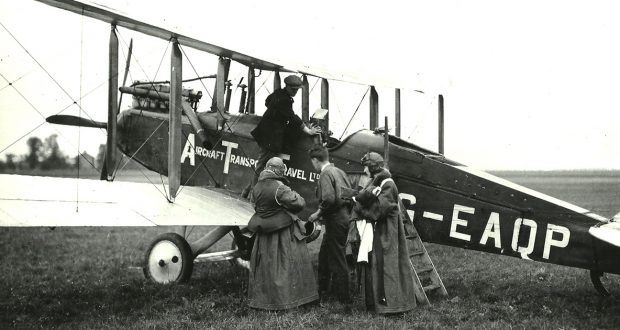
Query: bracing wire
(21, 137)
(41, 114)
(139, 148)
(57, 113)
(422, 120)
(18, 79)
(151, 82)
(311, 89)
(228, 126)
(77, 182)
(264, 82)
(125, 60)
(42, 67)
(354, 113)
(338, 108)
(202, 164)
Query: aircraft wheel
(169, 259)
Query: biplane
(209, 157)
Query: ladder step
(426, 278)
(416, 253)
(431, 287)
(425, 270)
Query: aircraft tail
(608, 232)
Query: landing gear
(169, 259)
(242, 242)
(595, 277)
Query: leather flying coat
(279, 122)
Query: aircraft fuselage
(449, 203)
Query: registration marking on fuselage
(433, 216)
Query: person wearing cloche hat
(387, 272)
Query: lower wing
(29, 201)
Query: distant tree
(84, 161)
(10, 162)
(34, 152)
(53, 157)
(100, 156)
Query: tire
(169, 260)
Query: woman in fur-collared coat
(389, 283)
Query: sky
(528, 85)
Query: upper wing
(192, 35)
(111, 15)
(29, 201)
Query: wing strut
(251, 91)
(218, 102)
(397, 110)
(277, 83)
(374, 108)
(110, 158)
(386, 144)
(440, 118)
(305, 98)
(325, 100)
(174, 128)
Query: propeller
(126, 70)
(75, 121)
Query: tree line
(46, 155)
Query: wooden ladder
(426, 278)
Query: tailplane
(608, 232)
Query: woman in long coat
(389, 288)
(281, 272)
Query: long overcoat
(281, 272)
(392, 289)
(279, 123)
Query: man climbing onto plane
(278, 124)
(334, 212)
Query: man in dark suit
(334, 212)
(278, 124)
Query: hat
(313, 230)
(276, 165)
(372, 158)
(293, 81)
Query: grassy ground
(81, 278)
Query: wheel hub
(165, 262)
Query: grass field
(81, 278)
